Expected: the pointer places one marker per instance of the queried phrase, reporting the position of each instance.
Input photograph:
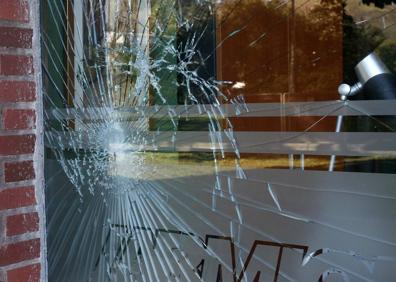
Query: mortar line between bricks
(8, 240)
(19, 105)
(29, 78)
(16, 158)
(5, 133)
(9, 23)
(19, 184)
(20, 264)
(20, 210)
(16, 51)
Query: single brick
(13, 37)
(17, 91)
(16, 65)
(17, 197)
(14, 119)
(30, 273)
(22, 223)
(17, 144)
(14, 10)
(20, 251)
(18, 171)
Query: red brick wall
(21, 187)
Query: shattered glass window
(227, 140)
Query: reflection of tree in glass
(359, 41)
(264, 53)
(318, 54)
(362, 38)
(387, 52)
(379, 3)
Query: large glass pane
(191, 140)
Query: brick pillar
(22, 217)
